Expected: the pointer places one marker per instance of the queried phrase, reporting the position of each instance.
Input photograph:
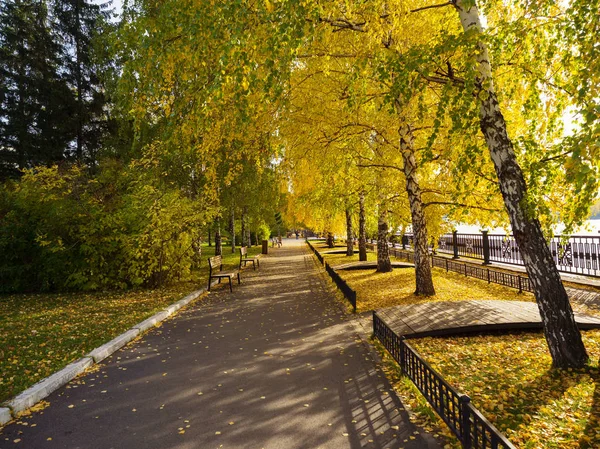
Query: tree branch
(468, 206)
(344, 24)
(392, 167)
(439, 5)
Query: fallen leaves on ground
(509, 379)
(377, 290)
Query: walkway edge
(42, 389)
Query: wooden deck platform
(458, 317)
(369, 265)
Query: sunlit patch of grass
(509, 378)
(377, 290)
(42, 333)
(341, 259)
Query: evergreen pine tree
(79, 23)
(34, 99)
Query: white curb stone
(5, 415)
(152, 321)
(107, 349)
(189, 298)
(42, 389)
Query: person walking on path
(275, 364)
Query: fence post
(374, 324)
(488, 275)
(520, 285)
(486, 248)
(446, 265)
(466, 422)
(455, 244)
(402, 357)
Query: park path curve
(276, 364)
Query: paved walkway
(456, 317)
(276, 364)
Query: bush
(66, 230)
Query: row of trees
(414, 111)
(450, 89)
(94, 198)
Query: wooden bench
(245, 259)
(217, 262)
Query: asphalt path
(275, 364)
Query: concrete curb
(151, 322)
(43, 388)
(5, 415)
(28, 398)
(115, 344)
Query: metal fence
(473, 430)
(342, 285)
(486, 274)
(579, 254)
(317, 253)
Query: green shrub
(62, 229)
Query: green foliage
(263, 232)
(65, 230)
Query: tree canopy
(187, 116)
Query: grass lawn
(508, 376)
(42, 333)
(376, 290)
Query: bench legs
(230, 282)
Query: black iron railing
(317, 253)
(490, 275)
(342, 285)
(473, 430)
(579, 254)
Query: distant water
(591, 227)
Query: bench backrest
(215, 262)
(243, 251)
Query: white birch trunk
(423, 278)
(562, 335)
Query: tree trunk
(79, 81)
(209, 235)
(560, 329)
(384, 265)
(423, 279)
(244, 235)
(362, 235)
(232, 230)
(349, 236)
(218, 246)
(330, 241)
